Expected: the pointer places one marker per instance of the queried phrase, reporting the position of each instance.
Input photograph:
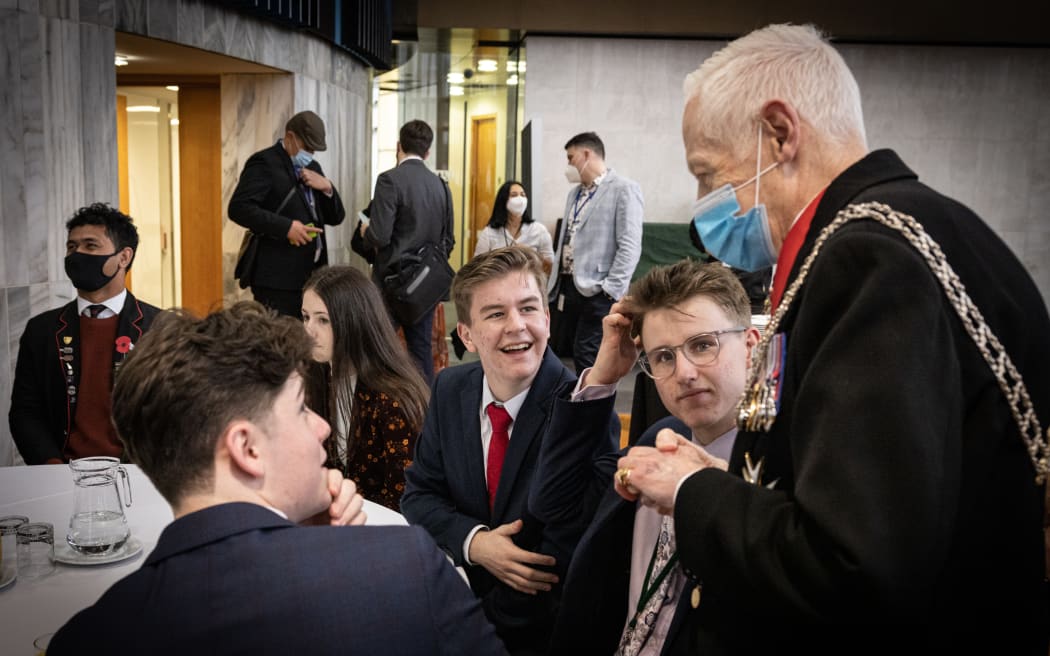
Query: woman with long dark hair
(364, 383)
(510, 223)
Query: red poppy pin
(124, 344)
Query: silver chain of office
(757, 408)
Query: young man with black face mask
(67, 357)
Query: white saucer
(8, 575)
(65, 554)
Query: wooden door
(200, 197)
(482, 176)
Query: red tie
(500, 419)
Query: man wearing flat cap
(285, 200)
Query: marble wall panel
(7, 446)
(64, 9)
(132, 16)
(98, 83)
(12, 176)
(35, 161)
(162, 20)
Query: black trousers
(577, 320)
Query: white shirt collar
(114, 304)
(408, 157)
(512, 405)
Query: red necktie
(501, 420)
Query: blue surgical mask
(302, 158)
(741, 241)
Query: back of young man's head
(490, 266)
(415, 138)
(118, 226)
(188, 378)
(670, 286)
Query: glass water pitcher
(98, 526)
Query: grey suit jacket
(411, 206)
(608, 240)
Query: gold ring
(623, 476)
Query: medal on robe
(760, 403)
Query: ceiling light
(512, 81)
(172, 87)
(521, 66)
(120, 60)
(455, 90)
(173, 121)
(488, 65)
(455, 78)
(144, 108)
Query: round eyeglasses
(699, 349)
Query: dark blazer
(267, 178)
(593, 606)
(238, 579)
(445, 489)
(904, 496)
(43, 403)
(411, 207)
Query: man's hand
(618, 351)
(495, 551)
(346, 506)
(315, 180)
(300, 234)
(654, 473)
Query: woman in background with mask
(510, 223)
(364, 383)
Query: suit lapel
(67, 351)
(528, 428)
(473, 455)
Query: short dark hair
(188, 378)
(587, 140)
(499, 207)
(119, 226)
(491, 265)
(671, 285)
(416, 137)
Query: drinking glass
(36, 550)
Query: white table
(44, 493)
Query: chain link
(757, 411)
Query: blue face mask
(302, 158)
(741, 241)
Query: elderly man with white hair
(890, 464)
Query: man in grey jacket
(599, 243)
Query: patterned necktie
(501, 420)
(665, 557)
(94, 310)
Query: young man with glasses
(624, 591)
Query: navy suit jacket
(238, 579)
(43, 404)
(593, 606)
(445, 489)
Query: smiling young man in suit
(284, 198)
(60, 401)
(473, 469)
(213, 411)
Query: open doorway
(148, 160)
